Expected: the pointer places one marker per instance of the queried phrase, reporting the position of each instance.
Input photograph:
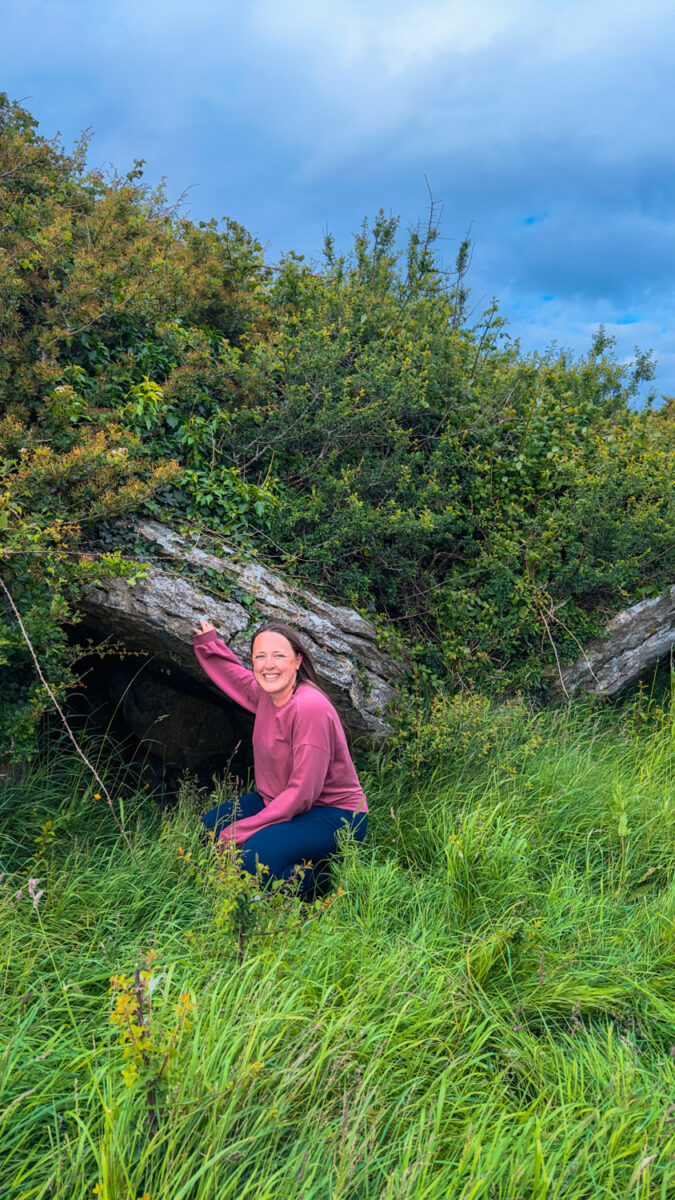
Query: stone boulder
(157, 617)
(633, 642)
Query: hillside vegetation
(351, 420)
(482, 1007)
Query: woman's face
(275, 666)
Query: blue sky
(545, 126)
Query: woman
(308, 788)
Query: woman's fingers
(205, 626)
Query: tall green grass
(487, 1011)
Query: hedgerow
(347, 419)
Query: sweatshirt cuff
(200, 639)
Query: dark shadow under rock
(167, 721)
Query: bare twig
(429, 235)
(61, 713)
(542, 614)
(581, 648)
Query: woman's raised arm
(224, 668)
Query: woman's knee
(218, 818)
(224, 814)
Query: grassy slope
(488, 1011)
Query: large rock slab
(633, 642)
(159, 613)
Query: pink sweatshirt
(300, 752)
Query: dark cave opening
(166, 723)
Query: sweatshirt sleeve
(310, 767)
(224, 668)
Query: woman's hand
(206, 627)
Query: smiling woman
(276, 665)
(308, 789)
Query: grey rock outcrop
(633, 642)
(159, 613)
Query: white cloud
(399, 37)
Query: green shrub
(345, 419)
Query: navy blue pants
(311, 836)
